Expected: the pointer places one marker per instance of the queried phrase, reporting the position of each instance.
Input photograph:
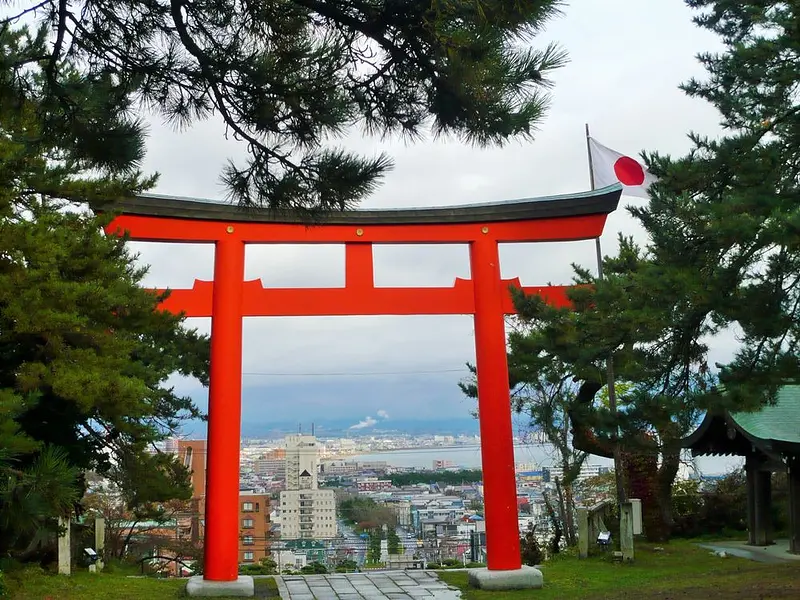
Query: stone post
(100, 541)
(794, 505)
(64, 558)
(626, 531)
(583, 532)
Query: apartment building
(272, 463)
(338, 468)
(587, 472)
(373, 484)
(192, 453)
(436, 508)
(307, 512)
(440, 464)
(254, 508)
(254, 540)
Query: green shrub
(529, 548)
(346, 566)
(451, 562)
(687, 508)
(718, 510)
(314, 568)
(9, 565)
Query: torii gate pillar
(221, 543)
(494, 408)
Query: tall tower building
(301, 461)
(307, 512)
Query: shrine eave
(771, 430)
(596, 202)
(720, 435)
(717, 435)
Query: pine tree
(658, 401)
(286, 76)
(84, 352)
(723, 251)
(725, 220)
(374, 547)
(393, 541)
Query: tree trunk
(127, 540)
(670, 463)
(583, 438)
(568, 464)
(555, 542)
(564, 511)
(569, 521)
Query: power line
(354, 373)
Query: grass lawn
(681, 570)
(110, 586)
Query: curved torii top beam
(601, 201)
(552, 218)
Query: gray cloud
(627, 58)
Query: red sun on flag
(628, 171)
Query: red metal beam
(360, 299)
(168, 229)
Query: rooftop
(778, 422)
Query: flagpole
(612, 388)
(591, 182)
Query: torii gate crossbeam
(485, 295)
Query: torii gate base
(486, 296)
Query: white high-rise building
(307, 512)
(301, 460)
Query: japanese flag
(610, 167)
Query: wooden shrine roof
(775, 429)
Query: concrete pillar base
(241, 587)
(526, 578)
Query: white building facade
(307, 512)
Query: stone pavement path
(382, 585)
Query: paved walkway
(382, 585)
(776, 553)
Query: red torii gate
(485, 295)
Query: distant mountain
(344, 427)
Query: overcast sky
(627, 59)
